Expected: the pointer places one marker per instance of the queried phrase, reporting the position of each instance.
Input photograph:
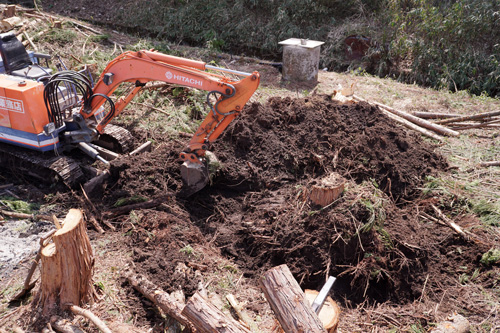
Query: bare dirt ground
(398, 268)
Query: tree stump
(9, 11)
(327, 190)
(66, 266)
(288, 302)
(330, 312)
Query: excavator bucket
(194, 176)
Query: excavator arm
(226, 98)
(144, 66)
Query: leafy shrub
(447, 44)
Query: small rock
(454, 324)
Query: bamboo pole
(421, 122)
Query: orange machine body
(23, 114)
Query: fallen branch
(458, 126)
(152, 108)
(27, 285)
(240, 313)
(163, 300)
(90, 316)
(421, 122)
(146, 146)
(490, 164)
(17, 215)
(449, 222)
(142, 205)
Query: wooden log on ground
(412, 126)
(480, 125)
(471, 117)
(66, 266)
(9, 23)
(489, 164)
(420, 122)
(163, 300)
(288, 302)
(326, 190)
(434, 115)
(207, 318)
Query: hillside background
(446, 44)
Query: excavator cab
(17, 61)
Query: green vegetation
(19, 205)
(451, 44)
(447, 44)
(491, 257)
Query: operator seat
(16, 60)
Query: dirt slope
(257, 215)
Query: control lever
(323, 293)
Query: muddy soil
(257, 213)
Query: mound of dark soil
(256, 212)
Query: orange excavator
(46, 112)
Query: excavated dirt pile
(257, 213)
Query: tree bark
(66, 266)
(289, 302)
(207, 318)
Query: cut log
(163, 300)
(9, 23)
(66, 266)
(207, 318)
(288, 302)
(327, 190)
